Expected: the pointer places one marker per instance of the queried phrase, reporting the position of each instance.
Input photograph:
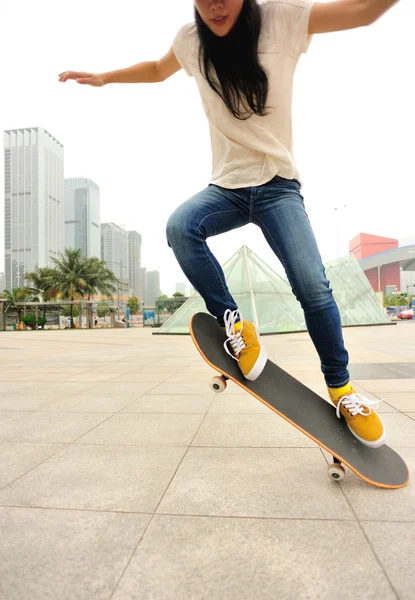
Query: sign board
(148, 317)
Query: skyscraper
(134, 262)
(114, 250)
(82, 216)
(152, 287)
(2, 283)
(33, 202)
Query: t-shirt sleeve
(183, 48)
(289, 23)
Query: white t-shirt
(251, 152)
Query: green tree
(133, 304)
(103, 309)
(390, 300)
(31, 321)
(178, 295)
(18, 295)
(71, 310)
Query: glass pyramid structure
(266, 299)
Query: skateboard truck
(335, 470)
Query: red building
(365, 245)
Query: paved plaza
(122, 476)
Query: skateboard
(303, 408)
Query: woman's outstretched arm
(346, 14)
(145, 72)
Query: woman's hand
(94, 79)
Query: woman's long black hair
(231, 65)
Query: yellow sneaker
(246, 347)
(360, 415)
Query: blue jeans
(277, 207)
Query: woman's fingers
(73, 75)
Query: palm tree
(42, 281)
(18, 295)
(99, 278)
(69, 276)
(76, 277)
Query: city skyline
(44, 213)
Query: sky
(147, 146)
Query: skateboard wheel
(217, 384)
(336, 472)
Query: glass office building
(83, 216)
(33, 202)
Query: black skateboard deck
(306, 410)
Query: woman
(243, 55)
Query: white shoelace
(234, 338)
(355, 404)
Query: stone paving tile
(112, 478)
(145, 430)
(249, 430)
(11, 415)
(394, 545)
(185, 377)
(91, 376)
(384, 407)
(405, 402)
(400, 430)
(67, 555)
(42, 377)
(90, 403)
(24, 401)
(382, 386)
(256, 482)
(10, 387)
(406, 368)
(18, 458)
(150, 403)
(370, 503)
(179, 389)
(151, 369)
(188, 557)
(141, 378)
(119, 390)
(49, 427)
(37, 398)
(238, 404)
(375, 371)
